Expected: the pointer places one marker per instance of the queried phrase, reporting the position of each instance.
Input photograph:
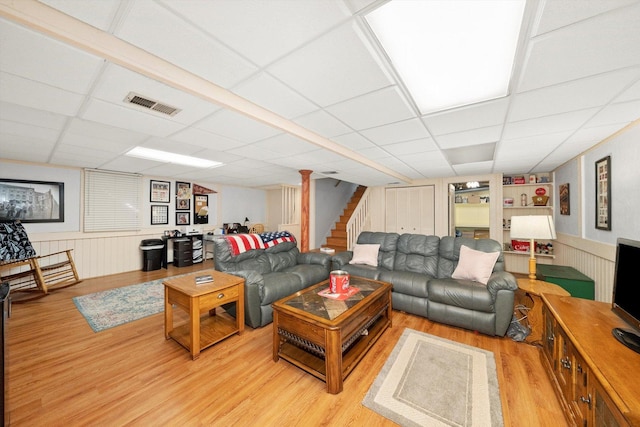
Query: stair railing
(359, 219)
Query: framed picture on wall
(31, 201)
(160, 191)
(201, 209)
(603, 194)
(565, 207)
(183, 218)
(183, 195)
(159, 214)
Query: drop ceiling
(272, 87)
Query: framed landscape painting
(31, 201)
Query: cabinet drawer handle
(220, 295)
(586, 400)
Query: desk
(165, 249)
(528, 295)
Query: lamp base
(532, 268)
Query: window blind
(111, 201)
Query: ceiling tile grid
(312, 63)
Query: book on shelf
(207, 278)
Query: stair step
(339, 233)
(336, 241)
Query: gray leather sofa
(269, 275)
(420, 267)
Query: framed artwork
(159, 214)
(565, 208)
(183, 218)
(160, 191)
(603, 194)
(31, 201)
(201, 209)
(183, 204)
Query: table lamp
(532, 227)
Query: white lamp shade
(532, 227)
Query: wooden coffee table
(328, 337)
(198, 334)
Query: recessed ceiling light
(450, 53)
(167, 157)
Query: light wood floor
(62, 373)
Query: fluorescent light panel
(450, 53)
(167, 157)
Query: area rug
(114, 307)
(431, 381)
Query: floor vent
(134, 98)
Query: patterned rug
(114, 307)
(431, 381)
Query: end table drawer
(223, 296)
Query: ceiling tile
(604, 43)
(244, 26)
(236, 126)
(32, 56)
(271, 94)
(96, 13)
(373, 109)
(323, 123)
(39, 96)
(576, 95)
(470, 137)
(332, 68)
(475, 116)
(183, 45)
(123, 116)
(205, 139)
(548, 124)
(623, 113)
(409, 147)
(396, 132)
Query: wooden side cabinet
(596, 379)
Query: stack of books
(204, 279)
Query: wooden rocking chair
(28, 274)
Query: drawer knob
(220, 295)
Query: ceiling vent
(150, 104)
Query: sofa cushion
(282, 260)
(407, 282)
(475, 265)
(461, 293)
(279, 285)
(388, 243)
(361, 270)
(309, 274)
(417, 253)
(366, 254)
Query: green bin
(574, 282)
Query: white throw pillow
(475, 265)
(365, 254)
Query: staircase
(338, 238)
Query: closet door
(410, 210)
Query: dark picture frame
(603, 193)
(201, 209)
(565, 205)
(183, 218)
(159, 191)
(31, 201)
(183, 204)
(159, 214)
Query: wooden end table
(198, 334)
(327, 337)
(528, 295)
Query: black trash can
(151, 254)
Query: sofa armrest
(253, 283)
(501, 281)
(315, 258)
(341, 259)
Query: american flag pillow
(240, 243)
(272, 238)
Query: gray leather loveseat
(420, 268)
(270, 274)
